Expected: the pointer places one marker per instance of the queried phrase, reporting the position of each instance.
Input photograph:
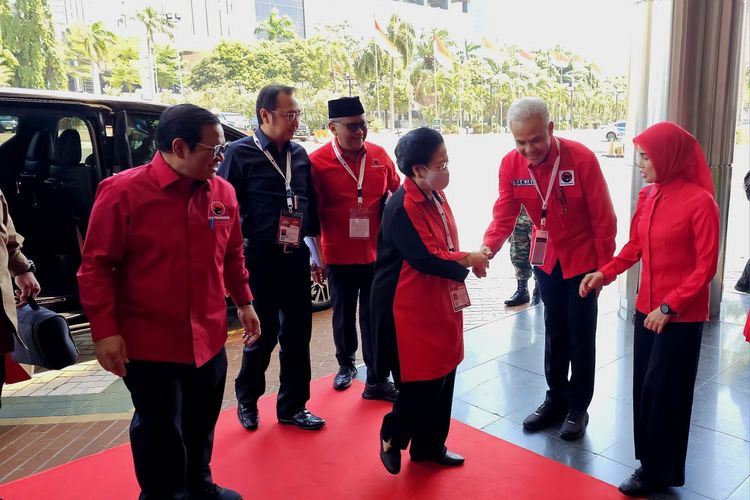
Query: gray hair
(528, 107)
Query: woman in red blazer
(417, 296)
(675, 235)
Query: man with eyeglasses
(163, 245)
(352, 179)
(271, 175)
(561, 186)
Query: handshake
(480, 261)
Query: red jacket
(414, 276)
(580, 218)
(159, 253)
(336, 192)
(675, 233)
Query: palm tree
(367, 68)
(403, 36)
(276, 27)
(154, 24)
(96, 43)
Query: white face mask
(437, 180)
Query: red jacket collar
(165, 174)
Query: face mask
(437, 180)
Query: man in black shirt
(271, 175)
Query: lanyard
(361, 179)
(287, 178)
(545, 199)
(439, 206)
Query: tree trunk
(96, 77)
(393, 105)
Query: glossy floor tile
(502, 380)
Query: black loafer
(390, 456)
(635, 486)
(384, 391)
(448, 458)
(304, 420)
(543, 417)
(248, 416)
(574, 425)
(214, 492)
(344, 377)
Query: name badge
(290, 228)
(460, 298)
(359, 224)
(567, 178)
(523, 182)
(539, 248)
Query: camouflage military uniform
(520, 246)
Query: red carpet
(339, 462)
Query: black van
(63, 144)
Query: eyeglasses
(217, 150)
(289, 116)
(353, 127)
(440, 166)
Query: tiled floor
(500, 381)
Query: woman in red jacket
(675, 234)
(417, 296)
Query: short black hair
(417, 148)
(183, 121)
(268, 98)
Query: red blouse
(675, 232)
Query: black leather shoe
(574, 425)
(635, 486)
(248, 416)
(544, 416)
(385, 391)
(536, 297)
(521, 296)
(344, 377)
(304, 420)
(390, 456)
(214, 492)
(448, 458)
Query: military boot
(521, 296)
(536, 297)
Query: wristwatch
(32, 267)
(664, 308)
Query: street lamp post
(349, 80)
(570, 88)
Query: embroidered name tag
(523, 182)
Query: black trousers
(172, 431)
(664, 371)
(421, 414)
(570, 339)
(280, 283)
(348, 284)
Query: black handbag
(44, 338)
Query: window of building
(294, 9)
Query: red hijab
(675, 154)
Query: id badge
(539, 248)
(460, 298)
(359, 224)
(290, 228)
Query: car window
(142, 137)
(76, 123)
(8, 124)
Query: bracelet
(248, 303)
